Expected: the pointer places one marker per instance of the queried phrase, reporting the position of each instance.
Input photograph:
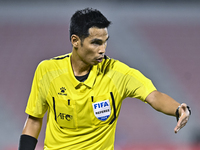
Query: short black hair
(84, 19)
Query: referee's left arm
(167, 105)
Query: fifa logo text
(100, 105)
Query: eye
(97, 42)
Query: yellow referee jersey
(83, 115)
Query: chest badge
(102, 109)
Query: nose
(102, 49)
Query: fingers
(183, 118)
(181, 123)
(177, 128)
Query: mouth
(99, 59)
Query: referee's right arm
(30, 133)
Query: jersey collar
(89, 82)
(92, 77)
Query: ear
(75, 40)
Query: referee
(83, 92)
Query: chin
(95, 63)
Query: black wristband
(27, 142)
(177, 112)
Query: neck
(78, 66)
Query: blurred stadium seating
(162, 40)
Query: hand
(184, 117)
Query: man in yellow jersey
(83, 92)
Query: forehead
(98, 33)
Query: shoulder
(115, 67)
(55, 63)
(111, 64)
(58, 61)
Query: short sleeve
(37, 104)
(137, 85)
(129, 81)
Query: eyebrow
(94, 40)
